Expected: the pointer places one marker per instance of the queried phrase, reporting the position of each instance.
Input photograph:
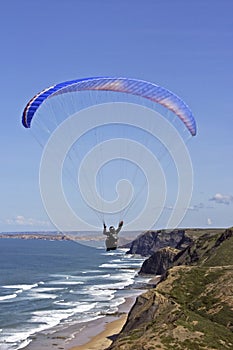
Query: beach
(99, 334)
(104, 339)
(93, 335)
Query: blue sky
(183, 46)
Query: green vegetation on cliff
(192, 308)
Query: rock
(202, 249)
(159, 262)
(151, 241)
(192, 307)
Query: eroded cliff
(192, 308)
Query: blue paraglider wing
(141, 88)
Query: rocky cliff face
(198, 249)
(159, 262)
(202, 249)
(192, 308)
(151, 241)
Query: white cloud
(209, 221)
(22, 221)
(222, 198)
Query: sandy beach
(99, 335)
(104, 339)
(93, 335)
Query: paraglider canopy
(141, 88)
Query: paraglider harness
(112, 236)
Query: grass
(194, 303)
(223, 255)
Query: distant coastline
(51, 236)
(82, 236)
(126, 237)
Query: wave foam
(22, 286)
(7, 297)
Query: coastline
(63, 307)
(99, 332)
(104, 339)
(94, 335)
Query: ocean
(50, 285)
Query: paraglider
(112, 236)
(110, 135)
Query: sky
(180, 45)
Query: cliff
(159, 262)
(151, 241)
(199, 249)
(192, 308)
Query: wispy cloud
(22, 221)
(222, 198)
(201, 206)
(194, 207)
(209, 221)
(198, 206)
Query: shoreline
(104, 339)
(100, 332)
(94, 334)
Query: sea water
(47, 284)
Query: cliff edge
(192, 307)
